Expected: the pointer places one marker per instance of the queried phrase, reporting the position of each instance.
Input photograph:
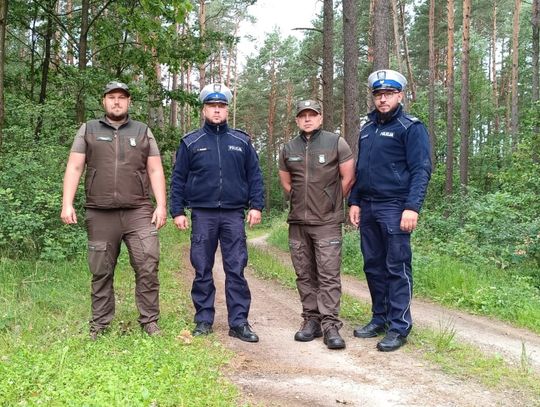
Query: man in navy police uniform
(392, 175)
(217, 176)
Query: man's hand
(68, 215)
(354, 215)
(409, 220)
(253, 217)
(181, 222)
(159, 218)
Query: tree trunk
(272, 104)
(432, 70)
(351, 108)
(465, 116)
(535, 19)
(3, 23)
(494, 85)
(449, 184)
(45, 65)
(381, 36)
(410, 77)
(69, 46)
(83, 42)
(515, 61)
(202, 27)
(328, 65)
(536, 75)
(397, 42)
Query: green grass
(511, 295)
(46, 357)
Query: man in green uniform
(316, 169)
(122, 162)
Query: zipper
(220, 170)
(306, 181)
(116, 138)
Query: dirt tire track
(279, 371)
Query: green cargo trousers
(316, 256)
(106, 229)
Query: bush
(30, 205)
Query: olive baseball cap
(308, 104)
(114, 85)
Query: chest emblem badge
(322, 159)
(132, 142)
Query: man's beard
(117, 118)
(386, 116)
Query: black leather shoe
(392, 341)
(244, 333)
(333, 340)
(369, 331)
(202, 328)
(309, 330)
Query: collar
(222, 128)
(105, 120)
(313, 136)
(374, 115)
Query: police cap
(215, 92)
(386, 79)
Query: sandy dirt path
(279, 371)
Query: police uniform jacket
(216, 167)
(116, 162)
(393, 161)
(316, 196)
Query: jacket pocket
(89, 180)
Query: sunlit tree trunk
(449, 184)
(465, 115)
(351, 109)
(328, 65)
(515, 61)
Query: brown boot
(309, 330)
(333, 340)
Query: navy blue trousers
(387, 264)
(226, 226)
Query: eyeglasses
(387, 95)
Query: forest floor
(278, 371)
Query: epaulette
(242, 132)
(411, 117)
(369, 122)
(190, 133)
